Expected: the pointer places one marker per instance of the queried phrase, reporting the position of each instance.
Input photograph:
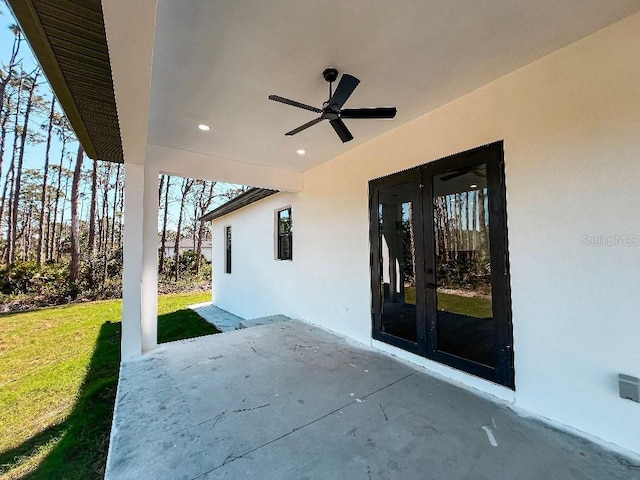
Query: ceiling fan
(332, 109)
(478, 171)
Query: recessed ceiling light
(473, 186)
(301, 152)
(204, 128)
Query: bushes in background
(26, 285)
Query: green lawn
(472, 306)
(58, 377)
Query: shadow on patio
(289, 400)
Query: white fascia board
(184, 163)
(130, 28)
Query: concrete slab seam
(232, 458)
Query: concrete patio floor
(291, 401)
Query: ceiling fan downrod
(330, 75)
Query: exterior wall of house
(258, 284)
(571, 129)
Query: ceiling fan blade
(380, 112)
(347, 85)
(452, 176)
(463, 171)
(342, 130)
(293, 103)
(305, 126)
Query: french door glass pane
(465, 325)
(397, 262)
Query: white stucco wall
(571, 129)
(258, 284)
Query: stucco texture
(570, 123)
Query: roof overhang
(173, 65)
(247, 198)
(68, 38)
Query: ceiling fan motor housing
(330, 74)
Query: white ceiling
(215, 62)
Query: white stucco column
(132, 266)
(140, 277)
(150, 259)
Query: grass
(58, 377)
(471, 306)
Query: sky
(33, 153)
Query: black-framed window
(227, 249)
(439, 263)
(285, 234)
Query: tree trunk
(3, 135)
(104, 223)
(64, 201)
(45, 179)
(91, 244)
(160, 186)
(482, 221)
(17, 40)
(105, 208)
(74, 271)
(199, 247)
(52, 235)
(197, 200)
(445, 228)
(6, 201)
(204, 205)
(456, 222)
(27, 233)
(6, 101)
(163, 238)
(113, 215)
(186, 186)
(18, 174)
(467, 222)
(120, 209)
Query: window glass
(285, 235)
(466, 327)
(227, 252)
(397, 262)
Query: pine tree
(13, 224)
(186, 187)
(45, 180)
(165, 214)
(74, 270)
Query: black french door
(439, 263)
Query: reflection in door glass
(465, 325)
(397, 263)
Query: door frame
(492, 155)
(412, 176)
